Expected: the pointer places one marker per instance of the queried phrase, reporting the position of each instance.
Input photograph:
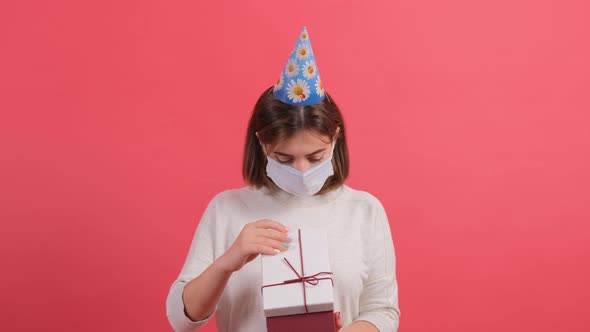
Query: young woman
(295, 164)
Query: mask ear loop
(333, 148)
(262, 146)
(335, 140)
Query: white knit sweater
(361, 251)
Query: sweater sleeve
(200, 256)
(379, 298)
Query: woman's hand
(260, 237)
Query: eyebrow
(307, 155)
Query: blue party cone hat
(299, 82)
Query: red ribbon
(302, 278)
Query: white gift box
(288, 299)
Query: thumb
(338, 322)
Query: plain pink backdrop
(469, 120)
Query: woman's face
(302, 151)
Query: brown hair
(275, 121)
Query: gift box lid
(281, 299)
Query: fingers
(265, 224)
(266, 246)
(266, 237)
(273, 234)
(262, 249)
(272, 243)
(338, 321)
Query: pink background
(469, 120)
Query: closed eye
(289, 161)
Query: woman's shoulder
(371, 205)
(361, 196)
(237, 195)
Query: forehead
(303, 142)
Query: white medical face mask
(298, 183)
